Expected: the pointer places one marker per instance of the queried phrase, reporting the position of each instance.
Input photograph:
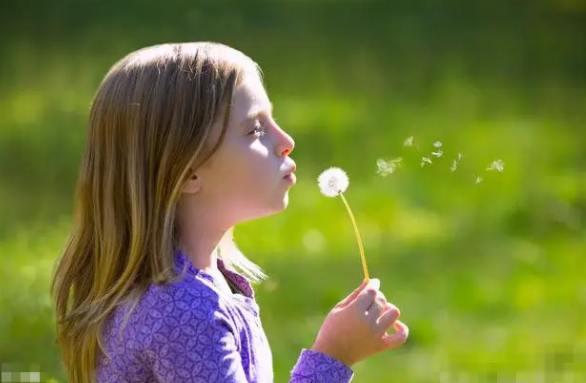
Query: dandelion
(425, 160)
(438, 154)
(437, 144)
(478, 180)
(408, 141)
(497, 165)
(334, 182)
(460, 156)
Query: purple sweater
(192, 331)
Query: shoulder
(178, 297)
(165, 308)
(181, 320)
(180, 304)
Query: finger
(382, 296)
(381, 299)
(388, 317)
(373, 313)
(367, 296)
(398, 338)
(377, 306)
(350, 298)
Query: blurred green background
(489, 276)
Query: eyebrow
(255, 113)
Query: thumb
(350, 298)
(398, 338)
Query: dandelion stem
(357, 237)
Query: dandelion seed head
(478, 180)
(408, 141)
(438, 144)
(438, 154)
(333, 181)
(454, 166)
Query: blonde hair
(150, 122)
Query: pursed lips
(291, 169)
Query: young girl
(181, 147)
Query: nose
(285, 144)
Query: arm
(211, 354)
(192, 340)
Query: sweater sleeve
(316, 367)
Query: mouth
(290, 176)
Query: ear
(192, 185)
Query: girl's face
(251, 173)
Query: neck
(199, 244)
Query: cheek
(246, 166)
(254, 167)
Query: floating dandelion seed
(497, 165)
(382, 167)
(385, 168)
(456, 162)
(334, 182)
(425, 160)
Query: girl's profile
(181, 147)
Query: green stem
(358, 239)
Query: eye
(258, 129)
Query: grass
(488, 276)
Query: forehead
(249, 98)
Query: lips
(290, 175)
(290, 172)
(291, 169)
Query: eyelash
(259, 129)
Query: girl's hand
(356, 328)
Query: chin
(277, 207)
(284, 202)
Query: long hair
(149, 123)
